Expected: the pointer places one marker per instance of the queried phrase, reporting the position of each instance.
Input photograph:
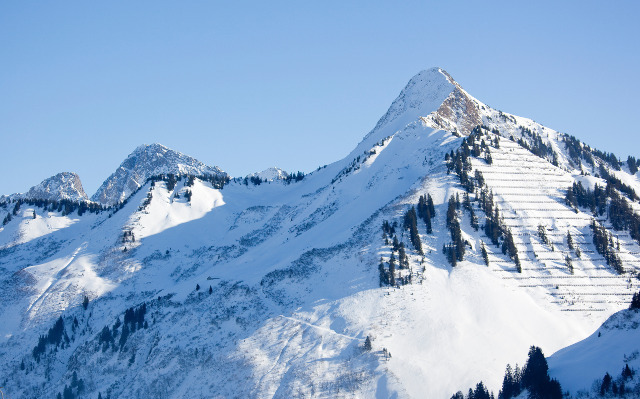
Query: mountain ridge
(284, 283)
(146, 161)
(61, 186)
(129, 176)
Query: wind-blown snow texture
(288, 273)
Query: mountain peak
(423, 94)
(144, 162)
(154, 147)
(430, 75)
(64, 185)
(271, 174)
(434, 97)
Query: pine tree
(67, 393)
(627, 372)
(430, 206)
(569, 264)
(633, 165)
(422, 207)
(403, 261)
(516, 260)
(392, 270)
(426, 211)
(535, 377)
(481, 392)
(488, 158)
(536, 368)
(451, 211)
(474, 219)
(383, 274)
(510, 384)
(466, 201)
(105, 335)
(124, 335)
(85, 302)
(604, 245)
(410, 223)
(569, 240)
(458, 242)
(485, 255)
(606, 384)
(635, 301)
(367, 344)
(542, 233)
(510, 246)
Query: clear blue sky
(248, 85)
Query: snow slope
(614, 345)
(147, 161)
(271, 290)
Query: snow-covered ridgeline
(147, 161)
(287, 275)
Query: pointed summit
(435, 97)
(458, 113)
(144, 162)
(63, 186)
(424, 94)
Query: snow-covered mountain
(365, 278)
(147, 161)
(63, 186)
(270, 174)
(434, 97)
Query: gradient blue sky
(245, 85)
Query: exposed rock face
(65, 185)
(436, 99)
(423, 93)
(147, 161)
(458, 113)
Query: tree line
(494, 227)
(533, 377)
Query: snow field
(530, 192)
